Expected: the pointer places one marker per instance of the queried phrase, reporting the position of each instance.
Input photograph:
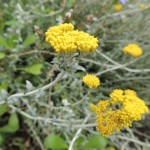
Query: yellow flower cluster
(91, 81)
(64, 39)
(118, 7)
(120, 111)
(133, 49)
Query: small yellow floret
(118, 7)
(116, 96)
(130, 92)
(91, 81)
(133, 49)
(64, 39)
(103, 105)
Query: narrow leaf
(29, 40)
(29, 85)
(34, 69)
(78, 67)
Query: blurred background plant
(60, 118)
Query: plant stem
(58, 78)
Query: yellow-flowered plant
(64, 39)
(120, 111)
(91, 81)
(118, 7)
(133, 49)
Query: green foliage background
(26, 64)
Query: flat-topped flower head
(91, 81)
(119, 112)
(133, 50)
(118, 7)
(64, 39)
